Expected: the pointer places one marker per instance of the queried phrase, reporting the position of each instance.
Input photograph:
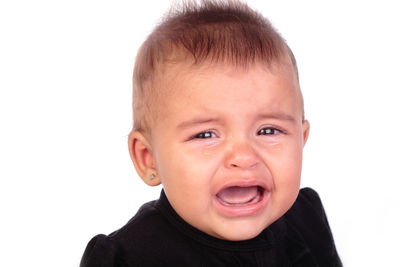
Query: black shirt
(157, 236)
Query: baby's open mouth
(240, 196)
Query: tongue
(238, 195)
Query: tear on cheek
(211, 143)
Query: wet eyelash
(204, 135)
(270, 131)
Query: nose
(241, 156)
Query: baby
(219, 122)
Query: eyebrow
(277, 116)
(196, 121)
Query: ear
(306, 131)
(142, 157)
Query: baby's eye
(204, 135)
(268, 131)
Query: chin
(240, 231)
(243, 235)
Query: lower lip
(245, 210)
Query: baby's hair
(215, 31)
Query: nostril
(244, 164)
(241, 157)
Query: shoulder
(123, 247)
(309, 200)
(101, 251)
(307, 221)
(307, 209)
(146, 216)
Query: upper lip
(244, 183)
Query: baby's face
(228, 149)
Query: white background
(65, 96)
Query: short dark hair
(210, 30)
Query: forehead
(275, 85)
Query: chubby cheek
(186, 174)
(284, 161)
